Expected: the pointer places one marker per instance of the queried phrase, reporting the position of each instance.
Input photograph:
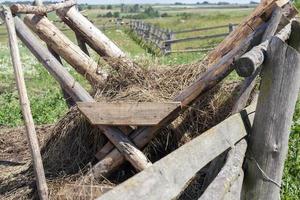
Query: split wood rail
(163, 39)
(269, 24)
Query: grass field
(47, 101)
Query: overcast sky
(149, 1)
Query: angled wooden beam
(260, 15)
(63, 46)
(124, 114)
(97, 40)
(170, 175)
(6, 15)
(39, 9)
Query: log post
(25, 105)
(63, 46)
(39, 9)
(268, 142)
(96, 39)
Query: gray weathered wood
(235, 191)
(136, 114)
(25, 105)
(168, 177)
(63, 46)
(39, 9)
(228, 174)
(268, 142)
(203, 29)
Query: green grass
(47, 102)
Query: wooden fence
(265, 124)
(163, 39)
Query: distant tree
(123, 8)
(116, 14)
(89, 7)
(178, 3)
(136, 8)
(253, 2)
(109, 14)
(103, 7)
(109, 7)
(164, 15)
(205, 3)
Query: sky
(150, 1)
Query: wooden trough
(268, 32)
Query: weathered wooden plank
(40, 9)
(202, 29)
(6, 15)
(195, 38)
(63, 46)
(228, 174)
(136, 114)
(235, 191)
(268, 142)
(168, 177)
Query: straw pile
(73, 142)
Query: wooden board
(168, 177)
(126, 113)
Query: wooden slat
(126, 113)
(168, 177)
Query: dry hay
(70, 150)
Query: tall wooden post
(268, 142)
(25, 105)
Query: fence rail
(162, 39)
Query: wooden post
(63, 46)
(50, 62)
(168, 46)
(230, 27)
(97, 40)
(268, 142)
(25, 105)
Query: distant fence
(164, 38)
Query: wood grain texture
(74, 89)
(42, 188)
(168, 177)
(228, 175)
(268, 143)
(39, 9)
(63, 46)
(136, 114)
